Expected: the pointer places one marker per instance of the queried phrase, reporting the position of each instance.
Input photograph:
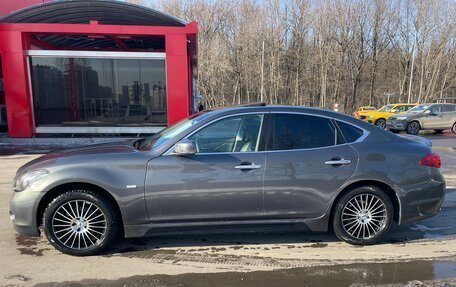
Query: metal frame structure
(17, 43)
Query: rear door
(448, 116)
(306, 162)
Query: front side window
(385, 108)
(234, 134)
(437, 109)
(294, 131)
(401, 109)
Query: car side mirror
(185, 147)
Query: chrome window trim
(360, 139)
(365, 134)
(170, 151)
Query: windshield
(385, 108)
(168, 133)
(418, 109)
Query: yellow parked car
(380, 116)
(362, 110)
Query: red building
(93, 67)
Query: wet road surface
(343, 275)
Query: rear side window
(449, 108)
(294, 131)
(350, 133)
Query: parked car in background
(238, 168)
(380, 116)
(437, 117)
(3, 123)
(362, 110)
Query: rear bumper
(424, 200)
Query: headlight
(401, 118)
(29, 178)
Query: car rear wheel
(453, 129)
(80, 223)
(381, 123)
(413, 128)
(363, 216)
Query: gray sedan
(437, 117)
(243, 168)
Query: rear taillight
(431, 159)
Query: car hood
(417, 139)
(90, 150)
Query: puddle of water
(342, 275)
(27, 245)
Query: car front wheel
(80, 223)
(381, 123)
(453, 129)
(363, 216)
(413, 128)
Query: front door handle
(338, 162)
(243, 166)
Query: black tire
(381, 123)
(413, 128)
(453, 129)
(344, 225)
(95, 224)
(438, 131)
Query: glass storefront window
(77, 91)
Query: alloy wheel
(381, 123)
(364, 216)
(413, 128)
(79, 224)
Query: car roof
(287, 109)
(403, 104)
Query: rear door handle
(338, 162)
(248, 166)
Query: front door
(433, 119)
(305, 165)
(222, 181)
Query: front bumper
(23, 211)
(367, 119)
(396, 125)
